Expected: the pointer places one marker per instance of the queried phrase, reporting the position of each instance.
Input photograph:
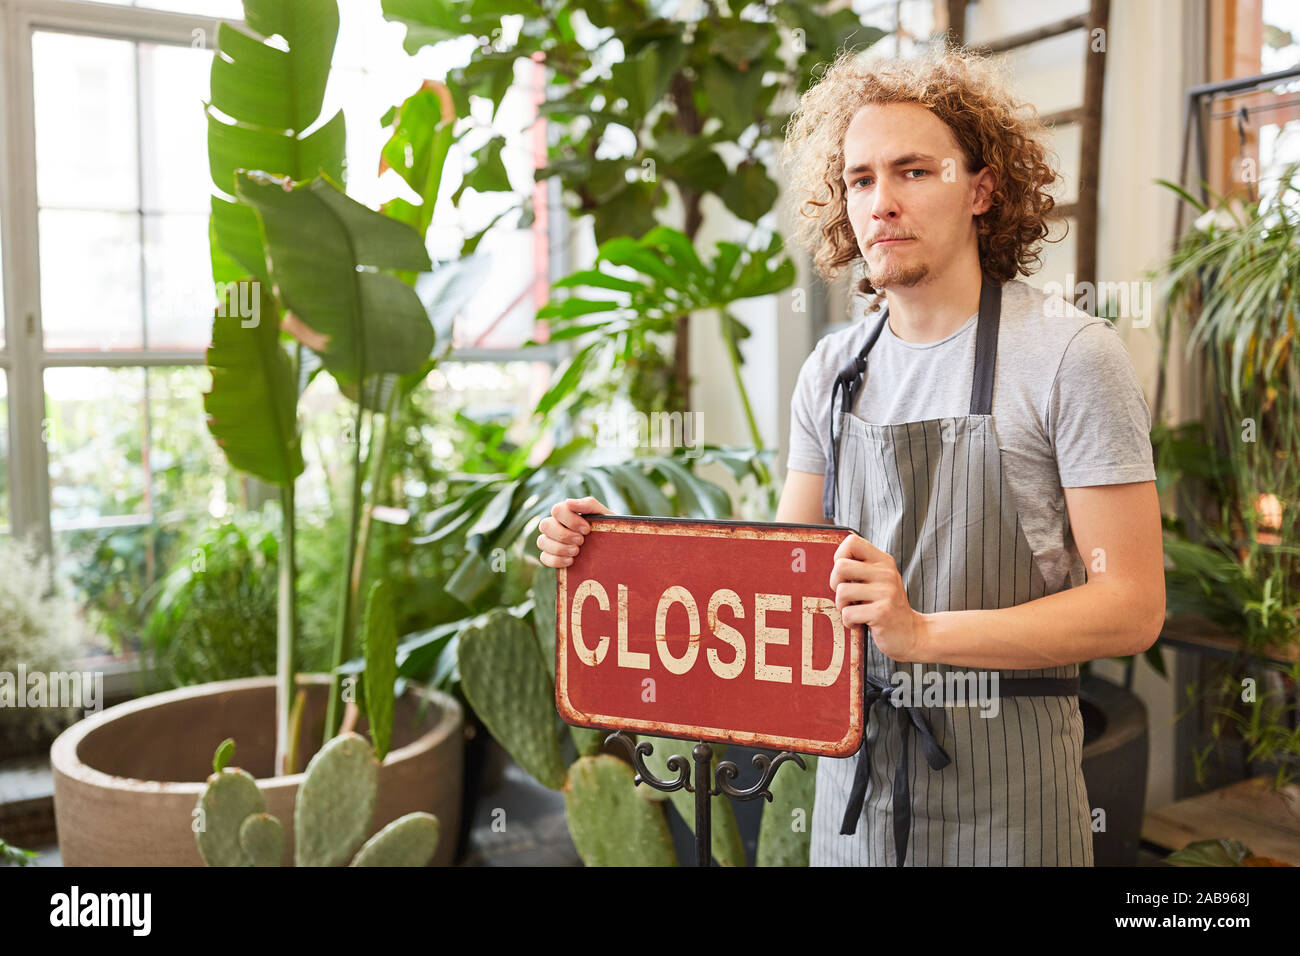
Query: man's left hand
(869, 591)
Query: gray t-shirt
(1068, 410)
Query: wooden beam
(1046, 32)
(1063, 117)
(1094, 76)
(955, 18)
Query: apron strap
(986, 348)
(850, 380)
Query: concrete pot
(127, 780)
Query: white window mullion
(29, 477)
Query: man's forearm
(1094, 620)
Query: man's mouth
(887, 241)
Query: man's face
(906, 181)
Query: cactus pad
(262, 839)
(229, 797)
(335, 802)
(610, 823)
(779, 842)
(411, 840)
(502, 675)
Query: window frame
(24, 358)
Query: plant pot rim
(65, 760)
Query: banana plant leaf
(379, 640)
(252, 406)
(273, 94)
(325, 251)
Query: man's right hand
(564, 530)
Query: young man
(988, 445)
(991, 448)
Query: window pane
(92, 156)
(95, 443)
(179, 300)
(90, 279)
(1281, 48)
(173, 89)
(190, 475)
(126, 536)
(85, 97)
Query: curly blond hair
(967, 91)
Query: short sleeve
(807, 452)
(1097, 418)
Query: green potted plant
(699, 97)
(291, 254)
(1233, 286)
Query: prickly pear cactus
(610, 823)
(230, 796)
(261, 837)
(336, 802)
(587, 741)
(502, 675)
(411, 840)
(332, 813)
(785, 834)
(544, 586)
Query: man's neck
(935, 308)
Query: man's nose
(883, 204)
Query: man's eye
(921, 171)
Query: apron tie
(935, 756)
(878, 689)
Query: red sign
(723, 631)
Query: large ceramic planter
(126, 780)
(1114, 767)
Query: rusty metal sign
(724, 631)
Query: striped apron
(977, 789)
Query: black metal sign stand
(727, 771)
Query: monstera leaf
(326, 251)
(273, 94)
(672, 280)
